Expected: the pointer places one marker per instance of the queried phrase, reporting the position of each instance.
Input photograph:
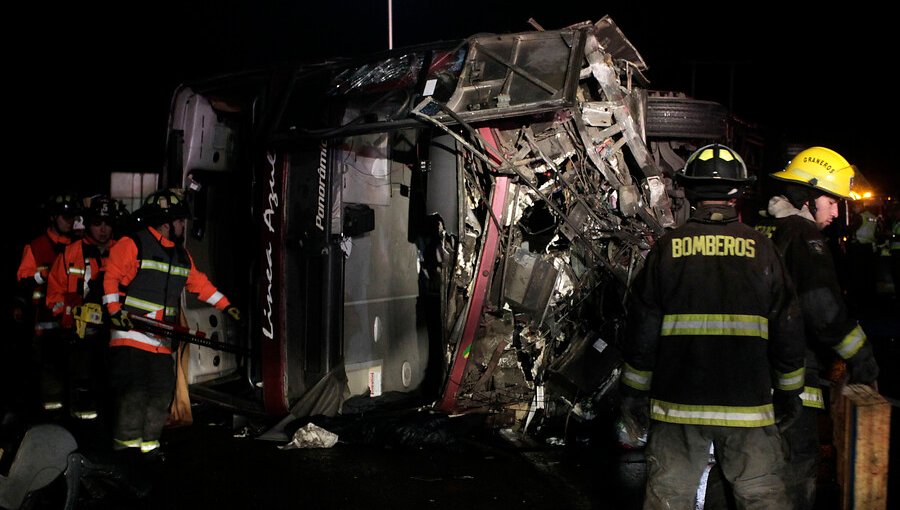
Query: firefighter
(76, 279)
(813, 183)
(152, 267)
(34, 268)
(714, 356)
(862, 252)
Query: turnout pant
(802, 440)
(51, 351)
(801, 470)
(752, 460)
(142, 385)
(87, 373)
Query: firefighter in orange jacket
(153, 268)
(76, 278)
(33, 272)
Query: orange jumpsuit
(73, 276)
(37, 257)
(34, 268)
(76, 278)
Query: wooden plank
(862, 429)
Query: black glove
(788, 407)
(233, 313)
(636, 417)
(862, 367)
(120, 320)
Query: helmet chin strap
(811, 205)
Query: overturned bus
(456, 223)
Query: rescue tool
(91, 313)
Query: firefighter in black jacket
(813, 183)
(714, 353)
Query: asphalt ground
(460, 463)
(406, 459)
(464, 465)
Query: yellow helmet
(824, 170)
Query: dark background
(88, 84)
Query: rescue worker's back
(714, 357)
(714, 289)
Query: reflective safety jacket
(867, 230)
(34, 268)
(153, 272)
(76, 277)
(714, 325)
(811, 267)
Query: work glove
(121, 320)
(788, 407)
(862, 367)
(233, 312)
(636, 417)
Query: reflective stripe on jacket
(808, 260)
(72, 273)
(33, 272)
(160, 278)
(714, 321)
(153, 272)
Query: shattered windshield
(394, 72)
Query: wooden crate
(862, 430)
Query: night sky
(89, 84)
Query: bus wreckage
(456, 223)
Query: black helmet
(64, 203)
(103, 207)
(161, 207)
(715, 172)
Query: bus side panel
(270, 331)
(313, 284)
